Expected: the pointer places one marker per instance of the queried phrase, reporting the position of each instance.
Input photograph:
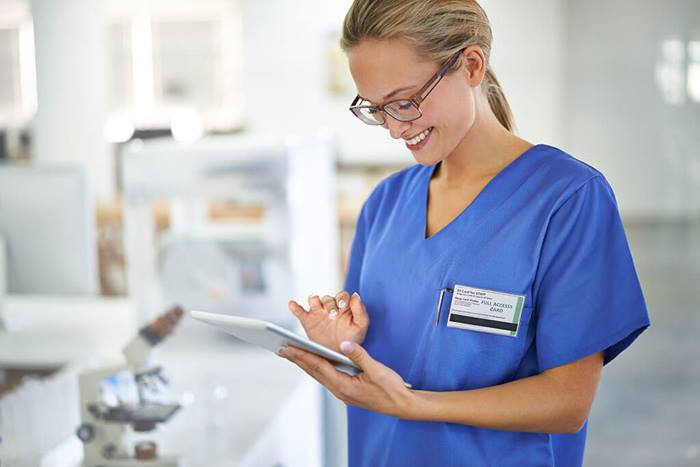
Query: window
(175, 68)
(678, 71)
(17, 72)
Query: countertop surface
(229, 391)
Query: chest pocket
(461, 359)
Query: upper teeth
(418, 138)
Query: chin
(425, 161)
(427, 158)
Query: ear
(474, 65)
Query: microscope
(125, 397)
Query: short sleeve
(587, 294)
(357, 251)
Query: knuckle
(343, 299)
(338, 394)
(343, 393)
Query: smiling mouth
(418, 139)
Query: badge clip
(439, 305)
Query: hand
(331, 320)
(377, 387)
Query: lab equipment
(233, 265)
(48, 222)
(130, 396)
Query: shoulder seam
(573, 193)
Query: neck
(486, 149)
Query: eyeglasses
(403, 110)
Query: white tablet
(272, 337)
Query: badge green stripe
(518, 309)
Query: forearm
(544, 403)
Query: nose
(395, 127)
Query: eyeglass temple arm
(419, 96)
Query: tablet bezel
(238, 326)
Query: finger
(296, 309)
(330, 306)
(317, 367)
(343, 300)
(359, 312)
(357, 354)
(315, 304)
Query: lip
(419, 146)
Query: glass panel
(188, 64)
(694, 70)
(402, 110)
(371, 116)
(670, 71)
(10, 92)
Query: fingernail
(342, 303)
(356, 294)
(332, 314)
(346, 346)
(280, 351)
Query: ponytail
(497, 100)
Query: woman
(495, 276)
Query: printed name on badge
(485, 310)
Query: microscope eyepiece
(162, 326)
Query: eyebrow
(392, 93)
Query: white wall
(616, 118)
(286, 46)
(528, 59)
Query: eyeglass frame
(416, 100)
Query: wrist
(414, 405)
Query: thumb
(357, 354)
(297, 310)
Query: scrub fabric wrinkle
(547, 227)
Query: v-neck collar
(481, 202)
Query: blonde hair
(436, 29)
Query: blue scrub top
(547, 227)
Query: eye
(405, 105)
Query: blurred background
(200, 153)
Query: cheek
(462, 109)
(454, 117)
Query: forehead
(380, 67)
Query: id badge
(485, 310)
